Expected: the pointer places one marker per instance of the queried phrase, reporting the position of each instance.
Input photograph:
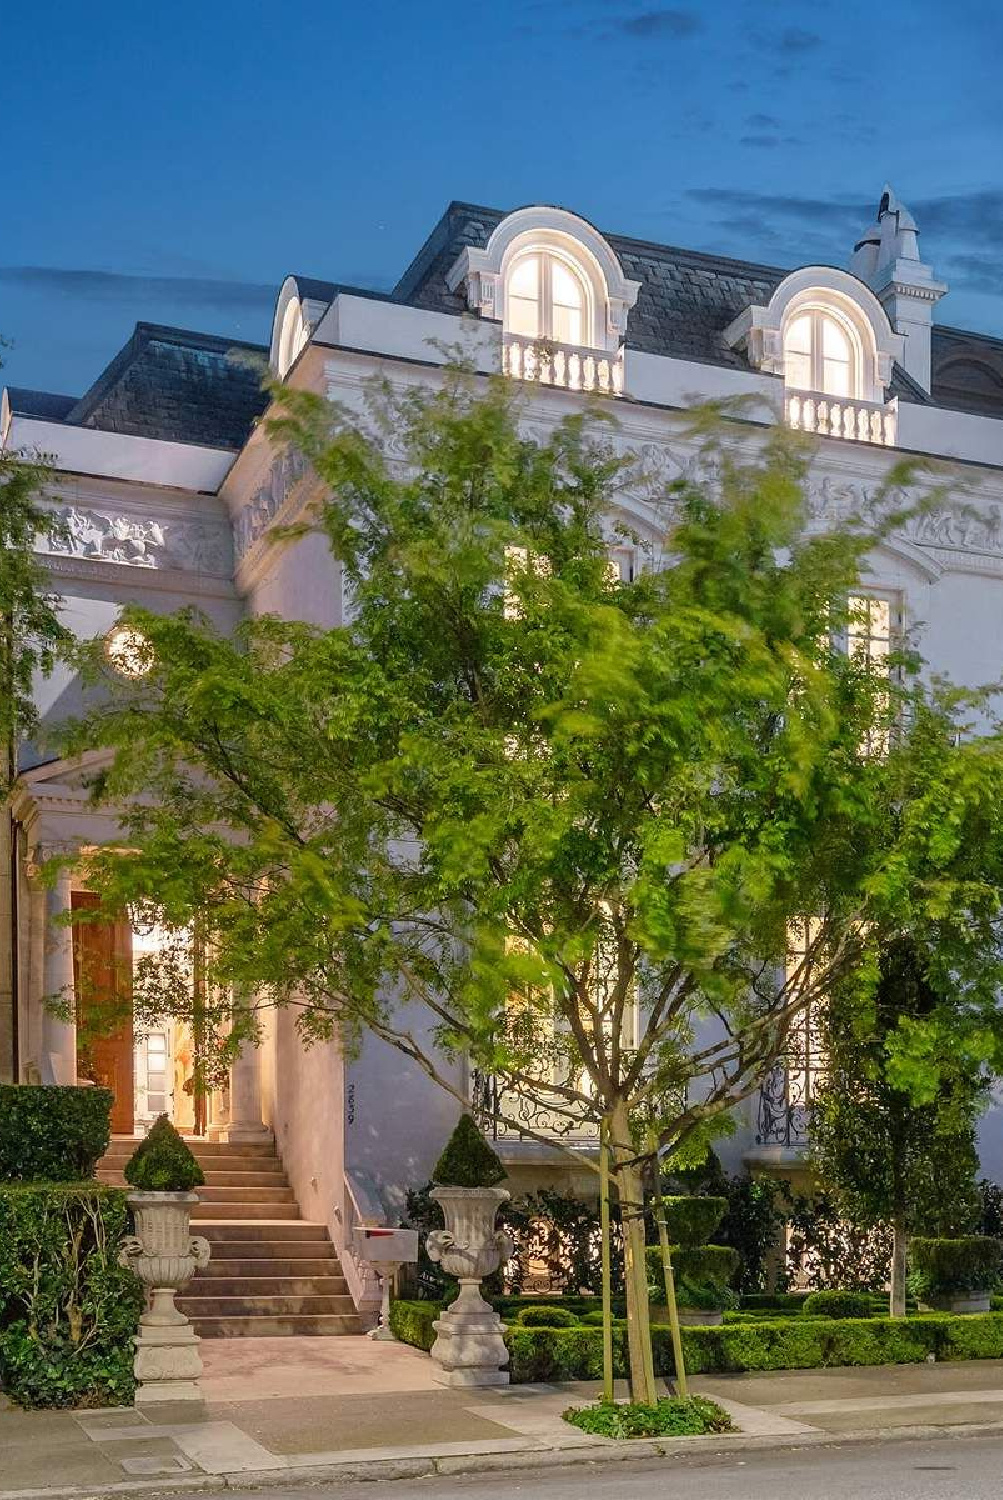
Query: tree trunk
(642, 1374)
(900, 1240)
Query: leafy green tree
(897, 1142)
(31, 638)
(566, 819)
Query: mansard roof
(44, 404)
(687, 299)
(180, 386)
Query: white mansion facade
(170, 484)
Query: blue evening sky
(173, 162)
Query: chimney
(886, 257)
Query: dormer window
(559, 293)
(818, 355)
(545, 299)
(829, 338)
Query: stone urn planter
(469, 1348)
(165, 1255)
(689, 1317)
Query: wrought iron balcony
(501, 1112)
(784, 1117)
(838, 416)
(570, 366)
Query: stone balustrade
(837, 416)
(569, 366)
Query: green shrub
(49, 1133)
(594, 1319)
(774, 1302)
(680, 1416)
(467, 1160)
(800, 1343)
(954, 1268)
(838, 1305)
(68, 1310)
(163, 1163)
(411, 1322)
(702, 1274)
(691, 1220)
(546, 1317)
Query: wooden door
(102, 977)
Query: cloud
(763, 142)
(679, 25)
(762, 122)
(794, 40)
(181, 291)
(117, 286)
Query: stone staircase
(271, 1273)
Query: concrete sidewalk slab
(370, 1410)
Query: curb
(704, 1452)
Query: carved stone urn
(165, 1256)
(469, 1348)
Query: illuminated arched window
(292, 338)
(819, 355)
(545, 298)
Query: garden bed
(792, 1343)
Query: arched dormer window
(827, 335)
(546, 298)
(558, 291)
(820, 354)
(292, 337)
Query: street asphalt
(949, 1468)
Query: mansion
(170, 484)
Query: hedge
(697, 1263)
(541, 1354)
(68, 1310)
(51, 1133)
(838, 1304)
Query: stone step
(264, 1307)
(272, 1285)
(216, 1154)
(253, 1237)
(240, 1211)
(289, 1326)
(210, 1193)
(287, 1261)
(276, 1178)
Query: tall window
(871, 635)
(818, 355)
(545, 299)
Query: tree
(568, 818)
(31, 639)
(899, 1147)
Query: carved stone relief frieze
(141, 542)
(285, 472)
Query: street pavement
(942, 1469)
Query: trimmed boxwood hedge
(68, 1310)
(52, 1133)
(692, 1220)
(838, 1304)
(538, 1354)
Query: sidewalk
(293, 1411)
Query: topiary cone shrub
(467, 1160)
(163, 1163)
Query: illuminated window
(871, 636)
(818, 355)
(128, 651)
(545, 298)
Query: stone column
(245, 1123)
(59, 1037)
